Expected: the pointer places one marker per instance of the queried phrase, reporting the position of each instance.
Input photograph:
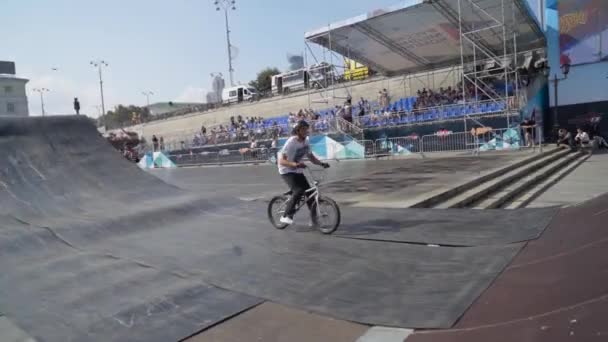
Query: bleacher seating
(400, 112)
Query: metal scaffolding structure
(327, 92)
(479, 60)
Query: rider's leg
(298, 184)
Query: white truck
(316, 76)
(239, 93)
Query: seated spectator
(600, 141)
(564, 138)
(395, 114)
(582, 138)
(373, 117)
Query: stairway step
(440, 197)
(513, 190)
(526, 198)
(475, 194)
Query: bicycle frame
(312, 192)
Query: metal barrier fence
(368, 148)
(451, 142)
(222, 157)
(485, 140)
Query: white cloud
(192, 94)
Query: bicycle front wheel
(327, 217)
(276, 210)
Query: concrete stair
(526, 198)
(513, 191)
(513, 186)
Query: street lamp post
(147, 94)
(227, 5)
(99, 64)
(565, 68)
(42, 91)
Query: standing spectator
(77, 106)
(528, 127)
(154, 143)
(347, 111)
(162, 144)
(275, 142)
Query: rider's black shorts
(297, 182)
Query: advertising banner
(583, 26)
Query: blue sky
(168, 47)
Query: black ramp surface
(365, 281)
(453, 227)
(57, 172)
(60, 293)
(104, 216)
(449, 227)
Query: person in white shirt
(582, 138)
(291, 167)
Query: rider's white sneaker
(286, 220)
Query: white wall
(12, 91)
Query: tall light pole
(41, 91)
(565, 69)
(99, 64)
(227, 5)
(147, 94)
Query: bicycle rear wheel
(327, 218)
(276, 209)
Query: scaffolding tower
(327, 92)
(481, 60)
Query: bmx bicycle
(325, 212)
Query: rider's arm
(283, 161)
(314, 159)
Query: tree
(263, 81)
(125, 116)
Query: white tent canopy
(425, 34)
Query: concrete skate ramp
(57, 173)
(91, 246)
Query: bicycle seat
(288, 193)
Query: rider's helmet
(298, 125)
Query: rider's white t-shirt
(295, 150)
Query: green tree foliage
(263, 81)
(123, 116)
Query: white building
(13, 98)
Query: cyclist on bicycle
(291, 167)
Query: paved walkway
(587, 181)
